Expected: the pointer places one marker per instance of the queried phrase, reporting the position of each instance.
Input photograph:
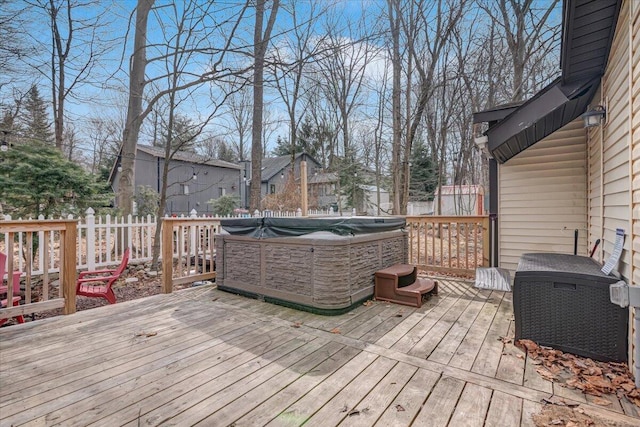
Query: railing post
(167, 256)
(91, 239)
(193, 244)
(68, 267)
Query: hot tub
(323, 265)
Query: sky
(105, 95)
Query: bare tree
(290, 59)
(200, 28)
(239, 109)
(77, 43)
(530, 37)
(134, 109)
(261, 37)
(425, 29)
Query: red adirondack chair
(98, 283)
(4, 289)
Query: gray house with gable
(193, 179)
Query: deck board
(202, 356)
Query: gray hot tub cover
(289, 227)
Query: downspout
(493, 212)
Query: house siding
(616, 182)
(543, 197)
(634, 66)
(595, 222)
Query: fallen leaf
(547, 375)
(367, 303)
(214, 299)
(399, 315)
(602, 402)
(399, 408)
(519, 356)
(146, 334)
(344, 409)
(296, 325)
(557, 422)
(335, 331)
(571, 424)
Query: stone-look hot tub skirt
(321, 272)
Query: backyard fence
(49, 253)
(449, 244)
(101, 240)
(55, 241)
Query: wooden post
(68, 266)
(485, 241)
(303, 188)
(167, 256)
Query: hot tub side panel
(326, 274)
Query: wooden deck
(202, 356)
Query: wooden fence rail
(451, 244)
(188, 250)
(61, 235)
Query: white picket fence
(102, 240)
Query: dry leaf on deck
(557, 422)
(600, 401)
(399, 408)
(546, 374)
(296, 325)
(367, 303)
(335, 331)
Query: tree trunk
(260, 47)
(396, 146)
(134, 118)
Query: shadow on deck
(206, 356)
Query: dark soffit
(587, 34)
(549, 110)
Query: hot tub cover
(289, 227)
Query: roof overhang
(552, 108)
(587, 34)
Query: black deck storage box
(562, 301)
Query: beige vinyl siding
(543, 197)
(635, 132)
(635, 158)
(616, 167)
(595, 224)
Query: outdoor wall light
(4, 146)
(195, 175)
(594, 117)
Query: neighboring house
(276, 170)
(459, 200)
(550, 175)
(322, 189)
(193, 180)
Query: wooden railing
(188, 250)
(449, 244)
(47, 243)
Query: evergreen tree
(424, 177)
(184, 134)
(226, 153)
(36, 179)
(35, 119)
